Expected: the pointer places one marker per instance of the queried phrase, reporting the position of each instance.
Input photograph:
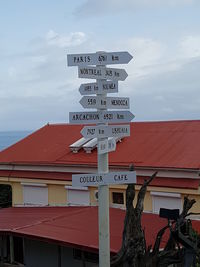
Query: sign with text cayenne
(102, 73)
(100, 117)
(100, 87)
(81, 180)
(98, 58)
(99, 102)
(102, 131)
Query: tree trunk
(133, 252)
(133, 246)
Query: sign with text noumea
(98, 58)
(81, 180)
(100, 87)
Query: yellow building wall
(57, 195)
(93, 200)
(17, 194)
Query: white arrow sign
(107, 145)
(99, 58)
(101, 102)
(102, 87)
(81, 180)
(102, 131)
(100, 117)
(102, 73)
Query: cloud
(73, 39)
(37, 86)
(190, 46)
(104, 7)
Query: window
(165, 200)
(5, 196)
(78, 196)
(118, 198)
(35, 194)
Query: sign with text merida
(102, 73)
(81, 180)
(102, 131)
(98, 58)
(100, 117)
(101, 87)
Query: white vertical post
(103, 210)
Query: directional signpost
(100, 117)
(99, 58)
(107, 145)
(80, 180)
(93, 66)
(99, 102)
(102, 73)
(102, 131)
(102, 87)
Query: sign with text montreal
(100, 117)
(98, 58)
(102, 73)
(81, 180)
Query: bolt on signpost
(106, 82)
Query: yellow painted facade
(57, 193)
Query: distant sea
(10, 137)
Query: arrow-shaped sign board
(100, 117)
(107, 145)
(90, 179)
(100, 102)
(102, 87)
(102, 73)
(102, 131)
(99, 58)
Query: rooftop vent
(88, 144)
(75, 147)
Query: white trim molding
(76, 188)
(34, 184)
(165, 194)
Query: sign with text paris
(99, 58)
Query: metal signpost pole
(106, 82)
(103, 210)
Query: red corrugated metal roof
(74, 226)
(158, 181)
(172, 144)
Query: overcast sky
(37, 87)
